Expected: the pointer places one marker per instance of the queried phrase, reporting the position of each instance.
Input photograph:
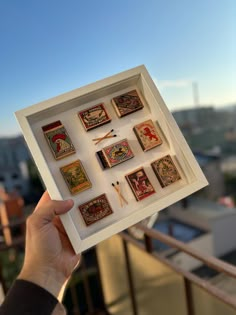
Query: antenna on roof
(196, 101)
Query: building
(13, 165)
(205, 128)
(194, 117)
(211, 167)
(213, 217)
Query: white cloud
(180, 83)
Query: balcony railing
(189, 277)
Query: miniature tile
(94, 116)
(75, 177)
(127, 103)
(165, 171)
(140, 184)
(116, 153)
(95, 209)
(147, 135)
(58, 140)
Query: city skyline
(50, 48)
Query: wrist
(49, 279)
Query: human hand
(49, 256)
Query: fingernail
(70, 202)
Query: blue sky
(49, 47)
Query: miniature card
(95, 209)
(58, 140)
(75, 177)
(127, 103)
(118, 152)
(140, 184)
(147, 135)
(94, 116)
(165, 171)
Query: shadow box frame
(65, 108)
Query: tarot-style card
(165, 171)
(140, 184)
(94, 116)
(75, 177)
(127, 103)
(147, 135)
(117, 153)
(58, 140)
(95, 209)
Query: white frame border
(139, 73)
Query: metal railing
(189, 277)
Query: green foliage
(11, 263)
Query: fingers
(47, 209)
(59, 206)
(52, 208)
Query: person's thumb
(46, 212)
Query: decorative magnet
(75, 177)
(165, 171)
(94, 116)
(115, 154)
(127, 103)
(147, 135)
(140, 184)
(58, 140)
(95, 209)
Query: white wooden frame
(65, 108)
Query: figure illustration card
(118, 152)
(127, 103)
(58, 140)
(165, 171)
(147, 135)
(95, 209)
(94, 116)
(75, 177)
(140, 184)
